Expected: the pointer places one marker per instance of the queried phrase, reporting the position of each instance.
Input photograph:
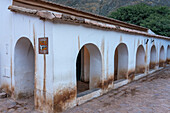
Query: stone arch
(140, 60)
(168, 54)
(24, 68)
(88, 68)
(161, 57)
(152, 64)
(121, 62)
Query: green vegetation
(155, 15)
(156, 18)
(104, 7)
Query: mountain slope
(103, 7)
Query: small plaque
(43, 45)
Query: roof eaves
(55, 17)
(46, 5)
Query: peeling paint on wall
(131, 74)
(62, 97)
(121, 39)
(78, 43)
(107, 82)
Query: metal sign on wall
(43, 45)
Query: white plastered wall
(24, 68)
(14, 27)
(140, 59)
(34, 28)
(95, 66)
(6, 44)
(162, 53)
(65, 41)
(168, 53)
(106, 41)
(153, 54)
(122, 61)
(153, 57)
(161, 56)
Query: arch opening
(120, 62)
(88, 68)
(162, 57)
(168, 54)
(24, 68)
(153, 58)
(140, 60)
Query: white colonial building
(65, 57)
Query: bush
(156, 18)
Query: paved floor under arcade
(147, 95)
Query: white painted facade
(55, 73)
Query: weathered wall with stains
(168, 55)
(140, 60)
(153, 59)
(24, 68)
(122, 61)
(76, 37)
(6, 45)
(16, 26)
(55, 73)
(33, 28)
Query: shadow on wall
(153, 63)
(168, 54)
(121, 62)
(140, 60)
(24, 62)
(162, 57)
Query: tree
(156, 18)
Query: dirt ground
(147, 95)
(8, 105)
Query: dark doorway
(116, 65)
(88, 68)
(82, 79)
